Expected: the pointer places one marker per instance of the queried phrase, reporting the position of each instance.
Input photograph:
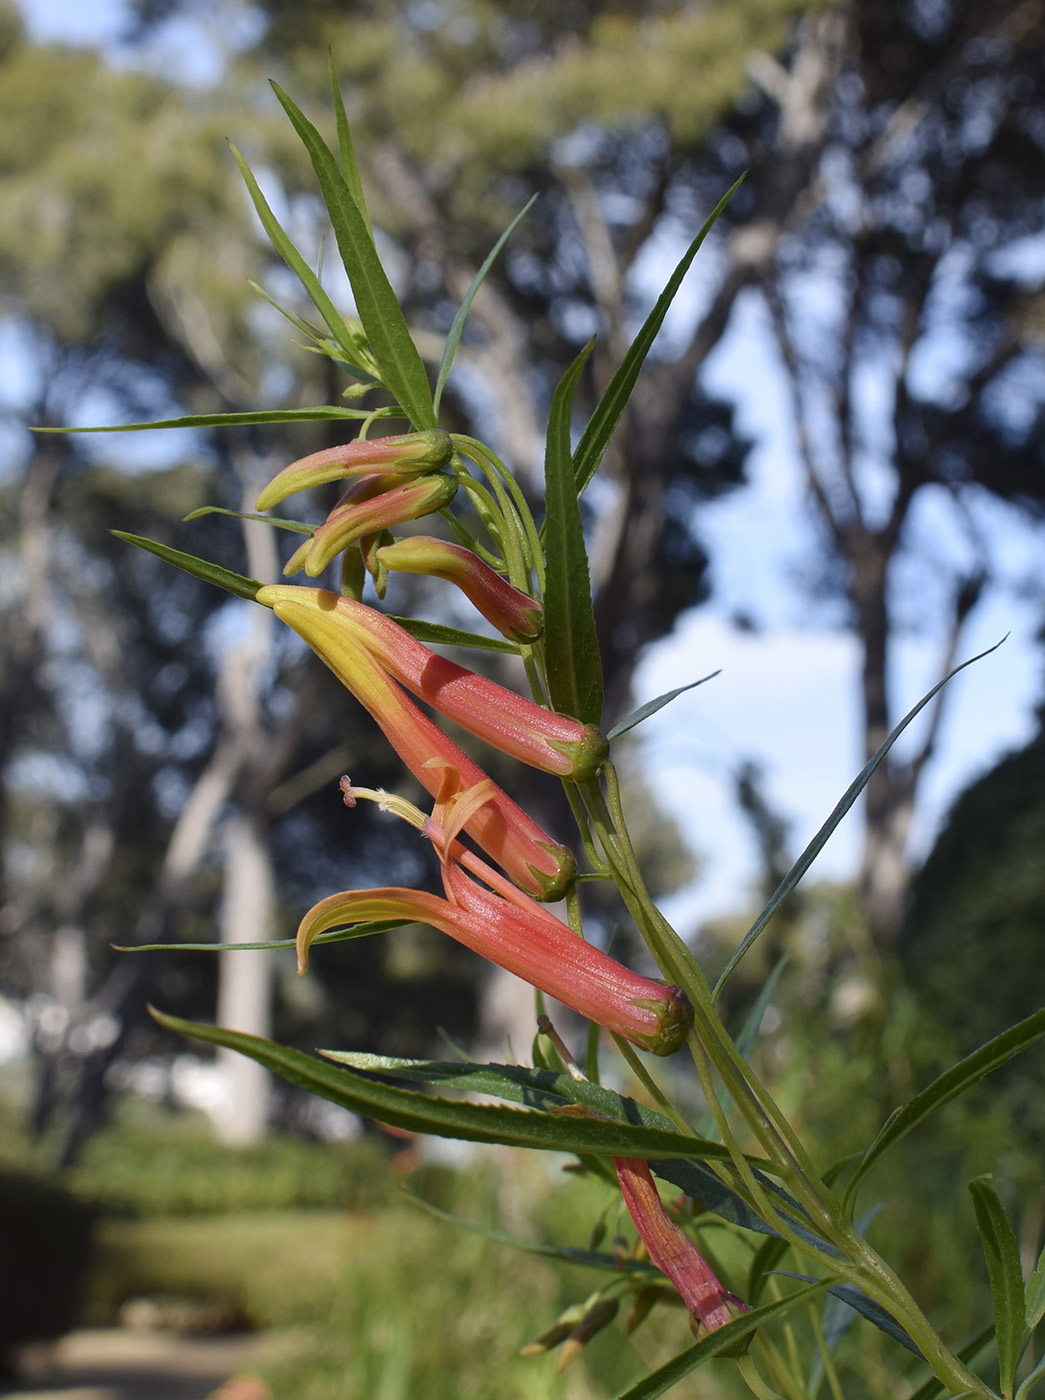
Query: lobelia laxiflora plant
(748, 1172)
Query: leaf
(454, 337)
(596, 436)
(657, 1382)
(422, 1113)
(570, 646)
(320, 413)
(854, 1298)
(199, 568)
(948, 1086)
(335, 936)
(299, 527)
(652, 706)
(587, 1258)
(1031, 1379)
(821, 838)
(437, 633)
(701, 1184)
(346, 150)
(293, 259)
(1035, 1295)
(379, 310)
(1003, 1268)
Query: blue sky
(787, 693)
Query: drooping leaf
(199, 568)
(946, 1087)
(701, 1184)
(652, 706)
(376, 302)
(662, 1379)
(1003, 1268)
(320, 413)
(819, 841)
(334, 936)
(453, 338)
(596, 436)
(422, 1113)
(586, 1258)
(854, 1298)
(571, 648)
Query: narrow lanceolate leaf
(856, 1299)
(661, 1380)
(298, 527)
(652, 706)
(199, 568)
(440, 635)
(947, 1087)
(345, 148)
(379, 310)
(1003, 1268)
(320, 413)
(453, 339)
(596, 436)
(819, 841)
(337, 936)
(571, 649)
(422, 1113)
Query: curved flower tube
(543, 951)
(407, 454)
(366, 512)
(515, 614)
(710, 1305)
(551, 742)
(514, 840)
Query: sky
(786, 696)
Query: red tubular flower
(551, 742)
(368, 509)
(514, 613)
(514, 840)
(407, 454)
(538, 948)
(710, 1305)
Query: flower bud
(356, 515)
(408, 454)
(515, 614)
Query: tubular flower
(514, 613)
(540, 949)
(710, 1305)
(513, 839)
(551, 742)
(408, 454)
(368, 510)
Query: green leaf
(199, 568)
(570, 646)
(856, 1299)
(652, 706)
(293, 259)
(299, 527)
(1031, 1380)
(596, 436)
(379, 310)
(821, 838)
(1003, 1268)
(453, 339)
(346, 150)
(438, 634)
(335, 936)
(1035, 1295)
(586, 1258)
(657, 1382)
(320, 413)
(422, 1113)
(948, 1086)
(701, 1184)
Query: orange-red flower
(710, 1305)
(552, 742)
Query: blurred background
(830, 485)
